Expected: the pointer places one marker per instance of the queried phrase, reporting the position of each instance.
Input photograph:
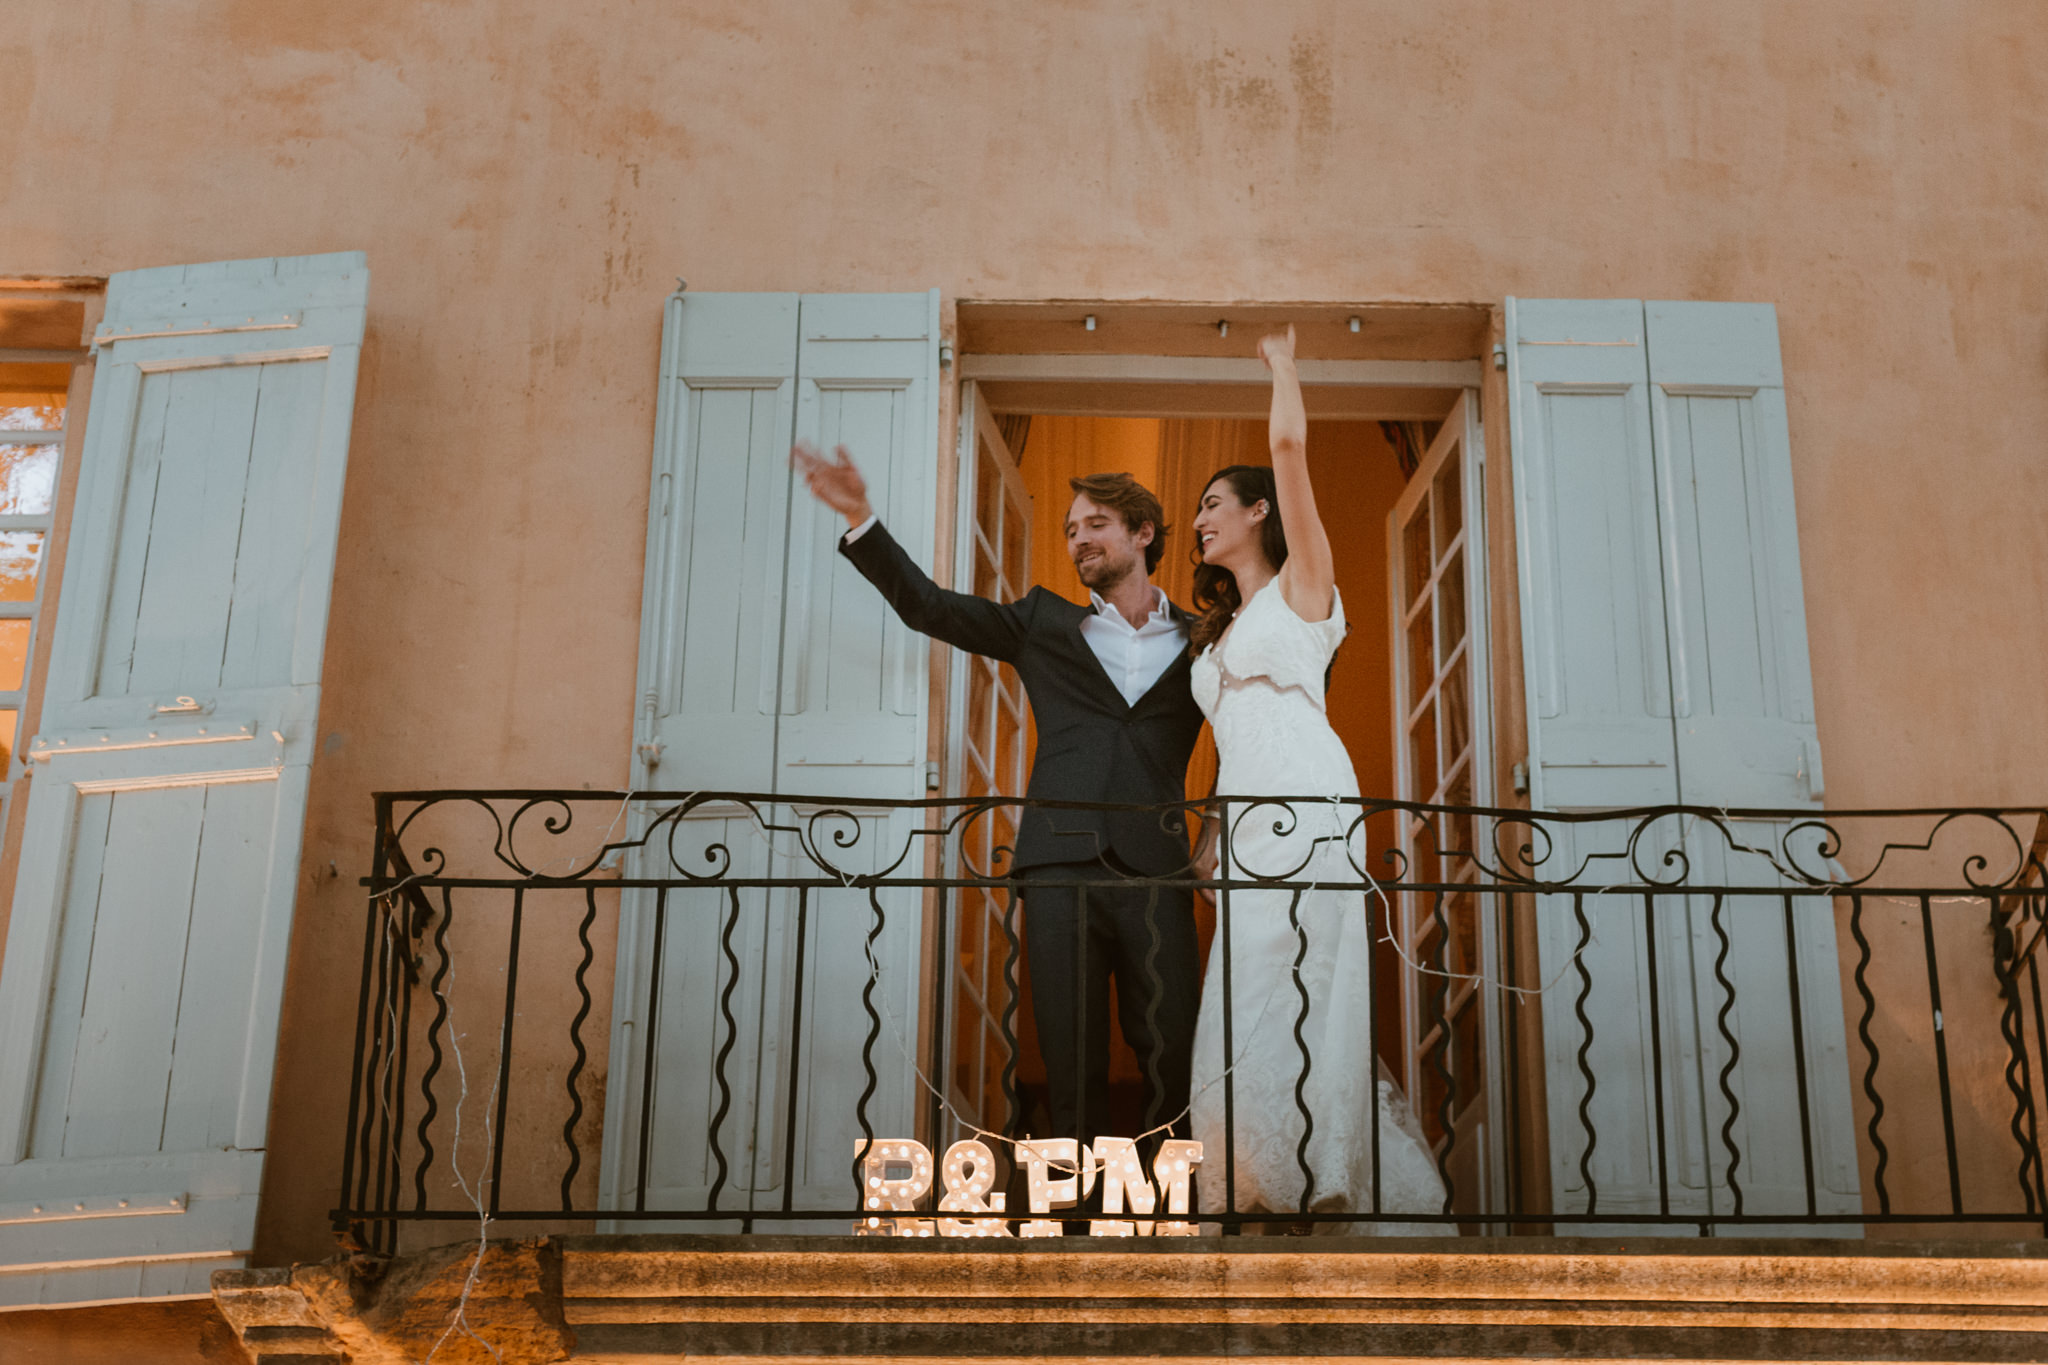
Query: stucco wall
(529, 178)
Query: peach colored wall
(529, 178)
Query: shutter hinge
(650, 748)
(931, 775)
(945, 356)
(1500, 355)
(1520, 775)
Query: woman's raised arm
(1309, 576)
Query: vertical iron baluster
(943, 995)
(1228, 872)
(1799, 1059)
(1511, 1010)
(387, 983)
(354, 1130)
(2018, 1078)
(406, 979)
(1440, 1054)
(2041, 1040)
(1884, 1197)
(796, 1045)
(505, 1039)
(576, 1041)
(1308, 1120)
(1727, 1067)
(1154, 989)
(732, 1034)
(1008, 1021)
(1585, 1048)
(1948, 1110)
(1372, 1060)
(651, 1024)
(1081, 999)
(430, 1103)
(1657, 1058)
(867, 1047)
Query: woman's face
(1226, 528)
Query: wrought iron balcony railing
(703, 1010)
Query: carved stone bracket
(376, 1312)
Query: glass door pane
(991, 750)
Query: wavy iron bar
(1676, 1019)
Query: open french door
(989, 738)
(1451, 1024)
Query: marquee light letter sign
(896, 1173)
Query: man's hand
(834, 482)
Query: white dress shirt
(1133, 657)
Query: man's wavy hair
(1131, 500)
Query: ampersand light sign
(896, 1173)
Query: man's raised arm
(974, 624)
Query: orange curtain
(1191, 450)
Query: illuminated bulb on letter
(895, 1193)
(969, 1172)
(1172, 1166)
(1122, 1173)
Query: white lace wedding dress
(1263, 693)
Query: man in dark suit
(1108, 685)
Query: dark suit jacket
(1092, 745)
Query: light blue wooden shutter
(710, 651)
(1665, 651)
(710, 629)
(1598, 677)
(1599, 707)
(768, 665)
(854, 708)
(1742, 700)
(1742, 685)
(145, 956)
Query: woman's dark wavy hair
(1216, 596)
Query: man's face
(1103, 549)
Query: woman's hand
(834, 482)
(1277, 348)
(1206, 863)
(1310, 574)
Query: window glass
(28, 478)
(21, 562)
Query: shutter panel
(145, 957)
(1661, 593)
(1742, 685)
(1742, 694)
(712, 601)
(769, 666)
(854, 709)
(854, 678)
(710, 650)
(1586, 532)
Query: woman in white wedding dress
(1270, 620)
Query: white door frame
(1086, 385)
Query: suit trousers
(1079, 939)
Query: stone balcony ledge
(630, 1298)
